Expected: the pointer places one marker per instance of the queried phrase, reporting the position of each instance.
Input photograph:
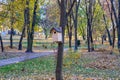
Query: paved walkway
(27, 56)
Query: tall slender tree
(61, 45)
(75, 19)
(31, 30)
(63, 18)
(24, 27)
(89, 13)
(117, 20)
(1, 42)
(69, 28)
(11, 23)
(28, 24)
(118, 28)
(106, 26)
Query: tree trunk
(118, 29)
(33, 24)
(106, 26)
(75, 19)
(92, 44)
(108, 32)
(11, 37)
(102, 38)
(113, 38)
(113, 25)
(59, 62)
(2, 48)
(63, 19)
(21, 38)
(89, 26)
(61, 45)
(70, 36)
(23, 31)
(28, 26)
(117, 20)
(11, 24)
(69, 29)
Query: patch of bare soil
(103, 60)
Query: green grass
(43, 65)
(45, 45)
(46, 66)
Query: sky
(2, 0)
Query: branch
(71, 8)
(86, 7)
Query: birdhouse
(56, 34)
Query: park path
(27, 56)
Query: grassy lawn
(75, 66)
(40, 66)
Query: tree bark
(63, 19)
(69, 27)
(11, 24)
(108, 32)
(2, 48)
(118, 28)
(28, 26)
(31, 32)
(61, 45)
(21, 38)
(33, 24)
(23, 31)
(113, 25)
(75, 20)
(70, 33)
(11, 37)
(117, 19)
(89, 14)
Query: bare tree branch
(68, 13)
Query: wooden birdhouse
(56, 34)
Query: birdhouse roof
(57, 29)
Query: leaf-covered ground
(98, 65)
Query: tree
(106, 27)
(117, 19)
(89, 13)
(24, 27)
(63, 18)
(1, 42)
(11, 23)
(75, 20)
(30, 33)
(61, 45)
(69, 29)
(113, 23)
